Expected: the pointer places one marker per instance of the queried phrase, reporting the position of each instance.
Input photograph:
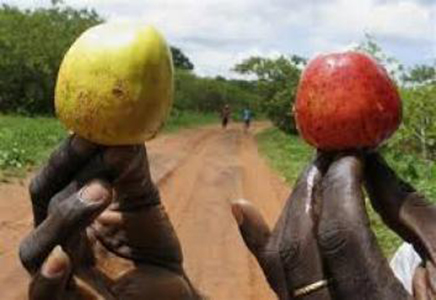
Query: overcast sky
(217, 34)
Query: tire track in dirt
(198, 172)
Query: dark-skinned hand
(322, 247)
(101, 231)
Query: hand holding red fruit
(322, 246)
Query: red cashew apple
(346, 101)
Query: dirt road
(198, 172)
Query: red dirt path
(198, 172)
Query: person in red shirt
(225, 116)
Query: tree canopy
(180, 60)
(276, 80)
(32, 45)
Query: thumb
(70, 216)
(254, 230)
(423, 282)
(256, 235)
(50, 282)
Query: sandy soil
(198, 171)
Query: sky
(216, 35)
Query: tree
(180, 60)
(277, 80)
(417, 133)
(32, 45)
(210, 94)
(421, 74)
(370, 46)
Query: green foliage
(421, 74)
(413, 147)
(205, 94)
(277, 81)
(25, 142)
(417, 134)
(180, 60)
(412, 150)
(420, 173)
(370, 46)
(32, 44)
(188, 119)
(287, 154)
(388, 240)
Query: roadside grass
(289, 155)
(286, 153)
(188, 119)
(26, 142)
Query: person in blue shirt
(247, 115)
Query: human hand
(289, 254)
(349, 263)
(401, 207)
(116, 241)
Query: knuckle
(335, 237)
(290, 254)
(35, 190)
(24, 253)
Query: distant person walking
(247, 115)
(225, 115)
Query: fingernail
(96, 191)
(56, 264)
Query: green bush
(277, 81)
(188, 119)
(25, 142)
(417, 133)
(32, 45)
(203, 94)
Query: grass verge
(189, 119)
(27, 142)
(289, 155)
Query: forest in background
(33, 43)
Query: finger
(294, 234)
(403, 209)
(256, 233)
(61, 167)
(142, 236)
(50, 282)
(348, 246)
(136, 205)
(133, 184)
(421, 290)
(254, 230)
(431, 276)
(288, 256)
(68, 218)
